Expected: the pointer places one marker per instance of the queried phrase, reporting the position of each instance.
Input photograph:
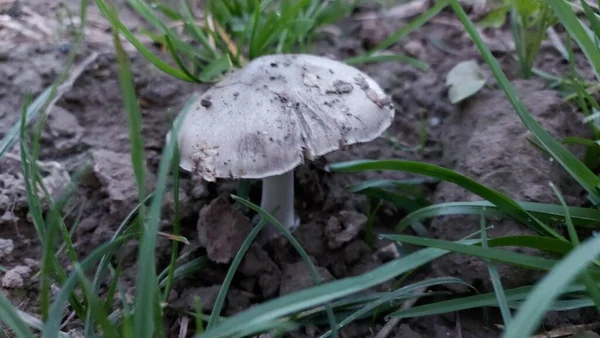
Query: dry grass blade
(567, 331)
(231, 46)
(391, 324)
(9, 22)
(183, 326)
(35, 322)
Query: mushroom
(265, 119)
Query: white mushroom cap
(266, 118)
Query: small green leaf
(215, 69)
(465, 80)
(495, 18)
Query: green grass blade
(472, 302)
(118, 25)
(31, 111)
(592, 289)
(134, 120)
(576, 30)
(176, 224)
(97, 310)
(294, 242)
(496, 255)
(247, 320)
(412, 185)
(404, 31)
(591, 16)
(389, 57)
(546, 244)
(402, 293)
(402, 200)
(582, 217)
(215, 68)
(51, 328)
(10, 317)
(121, 230)
(178, 60)
(196, 31)
(551, 287)
(495, 277)
(497, 198)
(146, 280)
(588, 180)
(216, 311)
(185, 270)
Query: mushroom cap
(266, 118)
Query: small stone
(63, 123)
(31, 262)
(13, 278)
(6, 218)
(199, 190)
(388, 253)
(6, 247)
(414, 48)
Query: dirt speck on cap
(203, 160)
(343, 228)
(340, 87)
(222, 229)
(297, 276)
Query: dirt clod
(238, 300)
(343, 228)
(222, 228)
(257, 263)
(297, 276)
(115, 174)
(13, 278)
(6, 247)
(206, 295)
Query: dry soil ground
(482, 138)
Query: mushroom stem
(278, 192)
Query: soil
(481, 138)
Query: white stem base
(278, 193)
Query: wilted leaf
(465, 79)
